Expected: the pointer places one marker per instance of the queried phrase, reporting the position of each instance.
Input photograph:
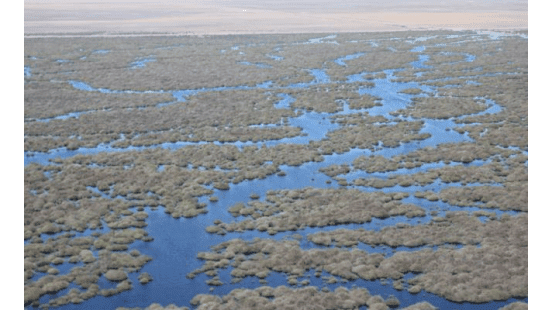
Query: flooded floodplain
(355, 171)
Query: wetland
(283, 171)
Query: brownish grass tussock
(297, 209)
(515, 306)
(283, 297)
(498, 276)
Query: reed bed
(311, 207)
(446, 272)
(454, 228)
(310, 297)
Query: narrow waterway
(177, 241)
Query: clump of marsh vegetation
(441, 107)
(359, 118)
(514, 197)
(499, 277)
(447, 153)
(490, 173)
(421, 306)
(412, 91)
(335, 170)
(455, 228)
(283, 297)
(287, 210)
(116, 275)
(368, 136)
(45, 99)
(113, 265)
(203, 66)
(518, 305)
(329, 97)
(207, 116)
(156, 306)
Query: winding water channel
(177, 241)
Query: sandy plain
(126, 17)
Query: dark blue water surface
(177, 241)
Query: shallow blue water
(177, 241)
(315, 125)
(319, 75)
(65, 116)
(420, 63)
(258, 64)
(340, 61)
(100, 51)
(141, 63)
(418, 49)
(389, 93)
(275, 57)
(285, 102)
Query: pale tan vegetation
(455, 228)
(441, 107)
(445, 272)
(329, 97)
(287, 210)
(412, 91)
(45, 99)
(421, 306)
(367, 136)
(510, 197)
(447, 153)
(335, 170)
(358, 118)
(283, 297)
(516, 306)
(489, 174)
(113, 265)
(213, 116)
(156, 306)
